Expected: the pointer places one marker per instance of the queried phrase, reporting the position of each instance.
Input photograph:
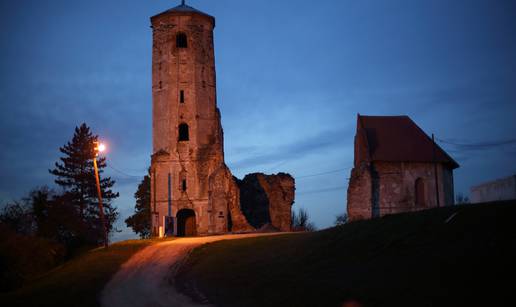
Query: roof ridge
(399, 138)
(184, 8)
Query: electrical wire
(480, 145)
(322, 190)
(323, 173)
(124, 173)
(298, 177)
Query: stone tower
(192, 190)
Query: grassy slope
(412, 259)
(77, 282)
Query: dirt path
(143, 280)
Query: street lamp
(99, 147)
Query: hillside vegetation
(412, 259)
(78, 282)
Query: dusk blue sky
(291, 78)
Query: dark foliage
(461, 199)
(341, 219)
(18, 217)
(43, 229)
(62, 223)
(75, 174)
(140, 221)
(24, 256)
(301, 221)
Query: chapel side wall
(397, 192)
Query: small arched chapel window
(181, 41)
(183, 132)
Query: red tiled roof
(399, 139)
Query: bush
(23, 257)
(301, 221)
(341, 219)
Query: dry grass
(413, 259)
(77, 282)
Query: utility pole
(435, 170)
(99, 148)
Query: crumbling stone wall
(224, 203)
(360, 193)
(267, 199)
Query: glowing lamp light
(101, 147)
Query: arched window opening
(420, 193)
(183, 185)
(183, 132)
(181, 96)
(181, 41)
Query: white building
(500, 189)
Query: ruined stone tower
(192, 190)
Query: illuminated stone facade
(188, 170)
(192, 190)
(397, 168)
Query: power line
(123, 173)
(479, 145)
(296, 177)
(323, 173)
(322, 190)
(299, 193)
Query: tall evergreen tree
(140, 221)
(75, 174)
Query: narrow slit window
(183, 132)
(181, 96)
(181, 41)
(183, 185)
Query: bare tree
(341, 219)
(462, 199)
(301, 221)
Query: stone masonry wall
(396, 188)
(191, 164)
(190, 174)
(267, 199)
(360, 193)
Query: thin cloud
(319, 143)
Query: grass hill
(412, 259)
(453, 256)
(78, 282)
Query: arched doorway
(420, 193)
(186, 226)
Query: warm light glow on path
(144, 280)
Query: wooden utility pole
(435, 170)
(101, 207)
